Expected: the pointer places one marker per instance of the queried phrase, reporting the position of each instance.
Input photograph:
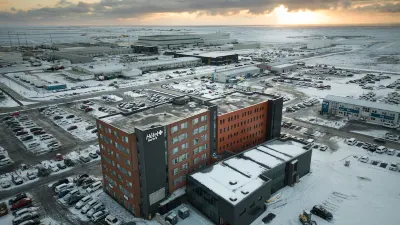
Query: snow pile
(323, 122)
(133, 94)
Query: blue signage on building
(349, 110)
(325, 107)
(385, 117)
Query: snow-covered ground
(324, 122)
(372, 133)
(356, 195)
(8, 102)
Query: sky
(198, 12)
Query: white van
(62, 187)
(381, 149)
(94, 187)
(351, 141)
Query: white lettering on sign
(153, 136)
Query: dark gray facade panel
(151, 147)
(304, 163)
(213, 129)
(277, 117)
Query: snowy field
(356, 195)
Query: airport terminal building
(234, 191)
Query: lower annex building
(147, 154)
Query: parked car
(364, 159)
(351, 141)
(16, 198)
(393, 166)
(37, 133)
(5, 161)
(69, 162)
(23, 211)
(17, 180)
(89, 206)
(83, 202)
(74, 199)
(27, 138)
(31, 222)
(61, 165)
(380, 140)
(21, 204)
(320, 211)
(93, 155)
(96, 208)
(88, 109)
(62, 187)
(90, 127)
(391, 151)
(5, 184)
(25, 217)
(99, 216)
(64, 192)
(111, 220)
(31, 175)
(323, 147)
(94, 187)
(268, 218)
(72, 128)
(70, 116)
(57, 117)
(84, 159)
(59, 182)
(87, 182)
(381, 149)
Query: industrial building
(145, 49)
(76, 74)
(283, 68)
(356, 109)
(234, 191)
(175, 40)
(211, 58)
(130, 73)
(230, 75)
(245, 120)
(86, 54)
(147, 154)
(167, 64)
(101, 69)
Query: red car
(88, 109)
(59, 157)
(22, 203)
(14, 114)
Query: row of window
(199, 130)
(179, 180)
(180, 158)
(124, 171)
(126, 192)
(249, 112)
(183, 168)
(121, 148)
(106, 139)
(179, 138)
(200, 149)
(197, 140)
(183, 147)
(115, 133)
(258, 140)
(235, 125)
(184, 125)
(196, 160)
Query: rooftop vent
(233, 199)
(233, 182)
(244, 192)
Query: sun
(298, 17)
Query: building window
(260, 198)
(175, 140)
(127, 162)
(243, 212)
(174, 161)
(117, 156)
(175, 150)
(108, 130)
(185, 146)
(174, 129)
(125, 139)
(115, 134)
(195, 121)
(176, 171)
(195, 141)
(203, 118)
(184, 125)
(178, 180)
(183, 136)
(129, 184)
(196, 160)
(195, 131)
(204, 156)
(100, 127)
(184, 166)
(203, 137)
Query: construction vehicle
(305, 218)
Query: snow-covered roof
(246, 166)
(215, 54)
(284, 65)
(237, 100)
(263, 158)
(274, 153)
(103, 67)
(238, 70)
(363, 103)
(164, 62)
(228, 183)
(289, 148)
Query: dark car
(321, 212)
(380, 140)
(62, 181)
(69, 162)
(27, 138)
(31, 222)
(88, 109)
(64, 192)
(25, 217)
(90, 127)
(7, 118)
(36, 129)
(70, 116)
(22, 203)
(61, 166)
(18, 129)
(17, 198)
(58, 117)
(19, 133)
(372, 148)
(94, 131)
(87, 182)
(268, 218)
(40, 132)
(74, 199)
(72, 127)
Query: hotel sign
(153, 136)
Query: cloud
(121, 9)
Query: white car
(99, 216)
(351, 141)
(88, 206)
(83, 202)
(63, 187)
(5, 161)
(111, 220)
(381, 149)
(393, 166)
(364, 159)
(94, 187)
(391, 151)
(5, 184)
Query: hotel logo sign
(153, 136)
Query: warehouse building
(230, 75)
(168, 64)
(86, 54)
(211, 58)
(234, 191)
(356, 109)
(175, 40)
(75, 74)
(245, 120)
(147, 154)
(145, 49)
(283, 68)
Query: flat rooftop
(215, 54)
(284, 65)
(161, 115)
(363, 103)
(237, 100)
(244, 169)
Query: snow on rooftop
(227, 182)
(363, 103)
(274, 153)
(284, 65)
(246, 166)
(215, 54)
(290, 148)
(263, 158)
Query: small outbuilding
(283, 68)
(172, 218)
(184, 213)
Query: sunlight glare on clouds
(298, 17)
